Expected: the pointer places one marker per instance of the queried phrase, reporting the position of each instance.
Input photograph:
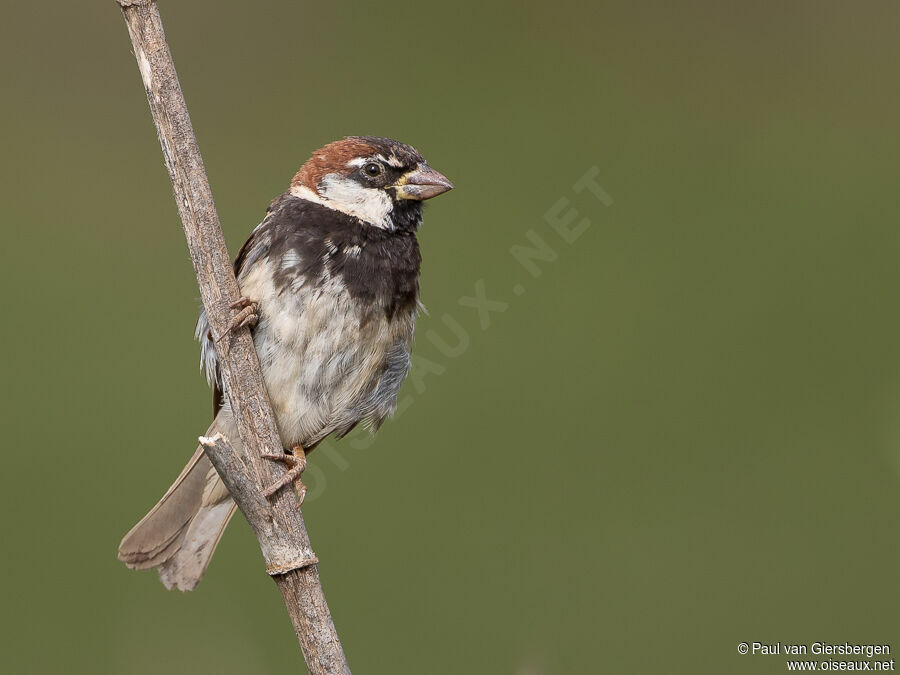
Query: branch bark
(278, 523)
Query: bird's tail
(181, 532)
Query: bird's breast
(328, 359)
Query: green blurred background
(683, 434)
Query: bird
(329, 285)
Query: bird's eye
(372, 169)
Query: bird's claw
(296, 464)
(248, 315)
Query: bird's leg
(247, 316)
(296, 464)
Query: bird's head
(380, 181)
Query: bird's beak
(421, 183)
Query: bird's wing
(249, 253)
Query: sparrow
(330, 290)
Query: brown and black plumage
(332, 276)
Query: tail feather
(180, 533)
(186, 567)
(148, 542)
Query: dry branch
(278, 523)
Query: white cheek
(369, 204)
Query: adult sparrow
(330, 280)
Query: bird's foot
(248, 315)
(296, 464)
